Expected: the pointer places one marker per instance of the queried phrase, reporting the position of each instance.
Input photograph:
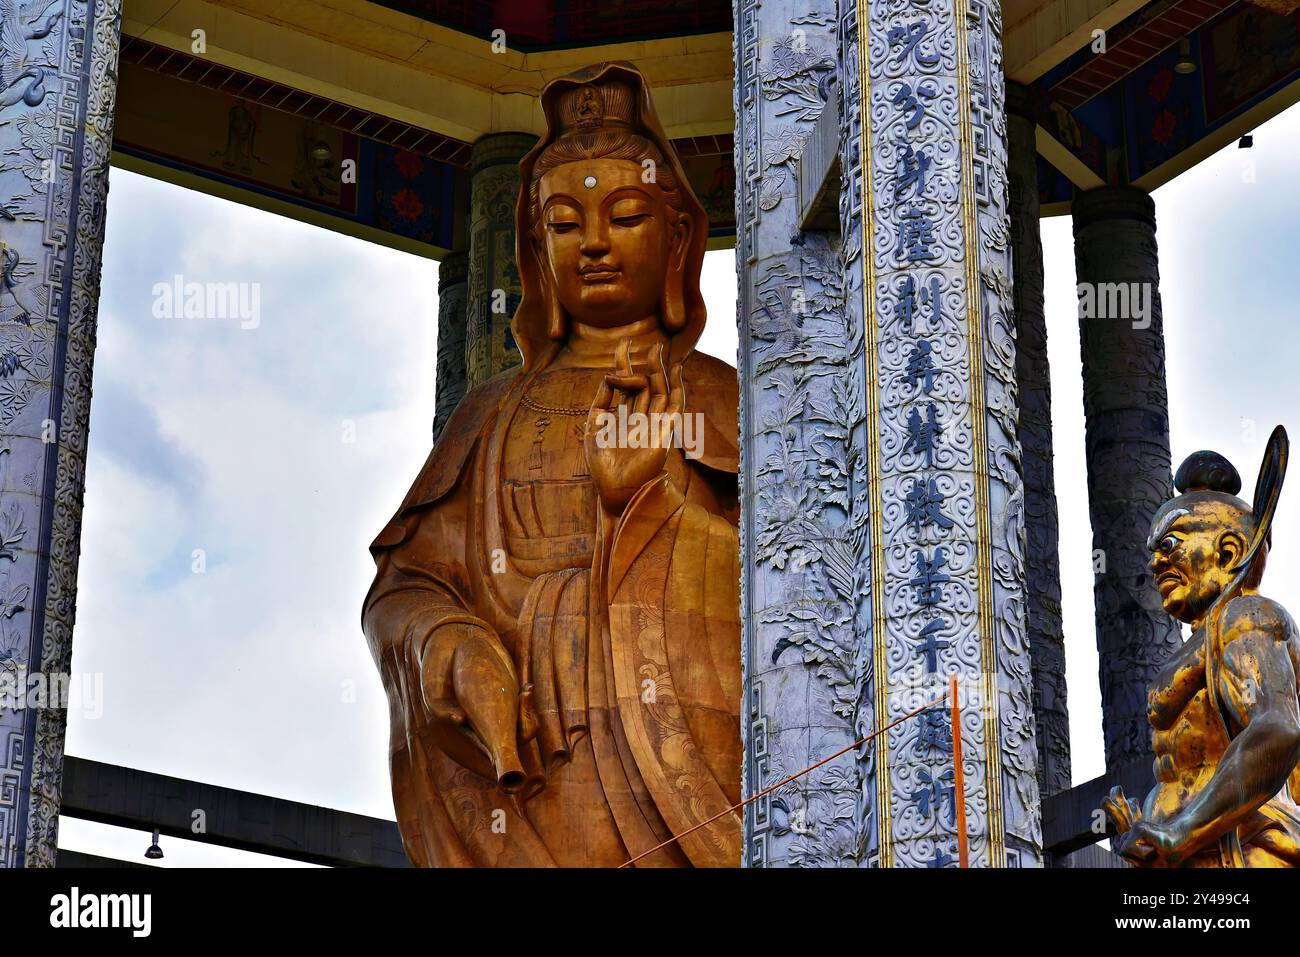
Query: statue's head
(608, 229)
(1199, 538)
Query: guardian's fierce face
(1196, 540)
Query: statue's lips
(598, 274)
(1167, 583)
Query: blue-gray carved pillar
(56, 130)
(1045, 629)
(1125, 405)
(947, 490)
(493, 275)
(450, 378)
(883, 535)
(803, 518)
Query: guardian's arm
(1257, 685)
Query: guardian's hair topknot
(1207, 471)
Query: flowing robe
(627, 628)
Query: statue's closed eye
(632, 219)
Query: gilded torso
(1187, 736)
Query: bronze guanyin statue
(1224, 711)
(556, 614)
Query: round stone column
(1042, 563)
(449, 380)
(1121, 336)
(494, 290)
(57, 138)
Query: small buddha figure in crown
(1225, 710)
(555, 614)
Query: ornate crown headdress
(596, 106)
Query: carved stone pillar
(452, 320)
(1121, 335)
(1045, 631)
(883, 540)
(494, 288)
(804, 564)
(56, 135)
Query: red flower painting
(1160, 83)
(407, 204)
(1163, 128)
(408, 164)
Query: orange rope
(958, 776)
(778, 784)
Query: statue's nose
(595, 237)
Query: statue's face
(1193, 546)
(609, 240)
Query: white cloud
(232, 441)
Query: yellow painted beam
(377, 59)
(427, 75)
(1051, 31)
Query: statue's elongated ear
(556, 327)
(674, 296)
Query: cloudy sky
(236, 475)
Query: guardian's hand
(1122, 812)
(1149, 843)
